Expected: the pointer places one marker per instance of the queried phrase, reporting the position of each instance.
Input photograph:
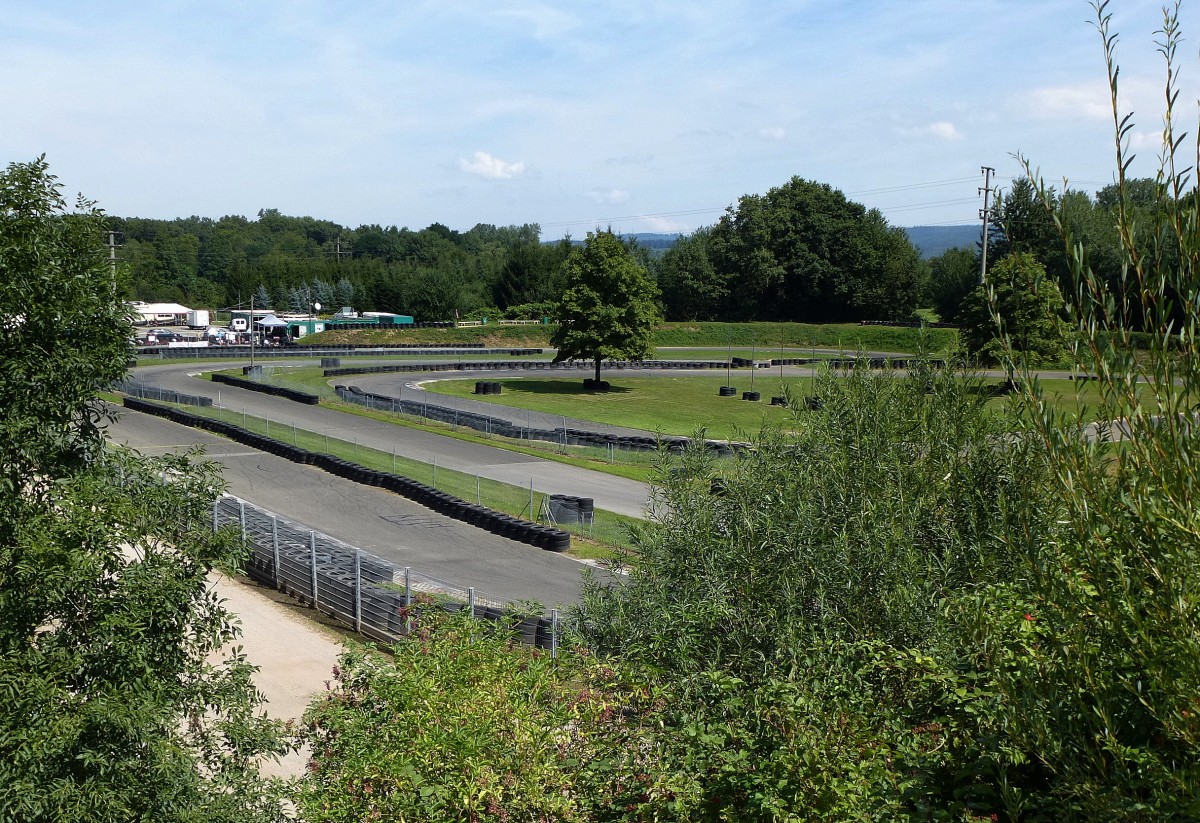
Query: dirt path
(295, 654)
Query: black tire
(752, 396)
(727, 391)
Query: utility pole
(338, 254)
(112, 258)
(252, 333)
(984, 214)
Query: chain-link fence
(369, 593)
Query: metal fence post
(358, 591)
(216, 508)
(408, 600)
(312, 566)
(275, 548)
(553, 633)
(471, 601)
(242, 518)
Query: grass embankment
(847, 337)
(670, 405)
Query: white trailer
(197, 319)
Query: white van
(239, 324)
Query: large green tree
(692, 289)
(804, 252)
(1018, 309)
(952, 276)
(609, 307)
(110, 707)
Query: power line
(721, 209)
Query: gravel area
(294, 652)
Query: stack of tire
(592, 384)
(566, 508)
(487, 387)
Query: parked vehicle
(239, 324)
(197, 319)
(158, 337)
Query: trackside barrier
(139, 389)
(506, 428)
(374, 350)
(374, 596)
(524, 365)
(267, 388)
(498, 523)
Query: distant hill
(656, 243)
(933, 240)
(929, 240)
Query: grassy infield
(675, 405)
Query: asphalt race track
(375, 520)
(615, 494)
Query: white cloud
(1146, 141)
(492, 168)
(609, 197)
(1088, 101)
(940, 130)
(772, 133)
(663, 225)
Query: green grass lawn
(671, 405)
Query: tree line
(802, 251)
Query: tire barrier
(524, 365)
(565, 508)
(907, 324)
(778, 401)
(848, 363)
(138, 389)
(521, 531)
(813, 403)
(852, 362)
(795, 361)
(265, 388)
(354, 586)
(506, 428)
(374, 349)
(592, 384)
(487, 387)
(752, 396)
(727, 391)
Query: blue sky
(646, 116)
